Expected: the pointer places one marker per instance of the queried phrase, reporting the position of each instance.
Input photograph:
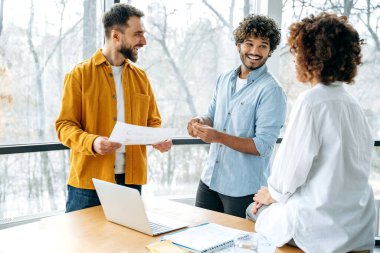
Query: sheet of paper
(260, 245)
(165, 247)
(128, 134)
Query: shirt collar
(253, 75)
(99, 58)
(334, 84)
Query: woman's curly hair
(258, 26)
(326, 48)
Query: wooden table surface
(88, 230)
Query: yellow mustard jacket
(89, 110)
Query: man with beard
(98, 92)
(242, 123)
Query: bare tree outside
(30, 71)
(1, 15)
(89, 28)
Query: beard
(127, 52)
(253, 66)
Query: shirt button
(242, 103)
(114, 96)
(110, 74)
(114, 118)
(220, 145)
(229, 114)
(224, 130)
(217, 162)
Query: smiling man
(98, 92)
(242, 123)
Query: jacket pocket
(141, 109)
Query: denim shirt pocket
(242, 116)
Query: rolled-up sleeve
(270, 117)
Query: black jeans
(78, 198)
(212, 200)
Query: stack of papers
(209, 237)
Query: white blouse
(320, 176)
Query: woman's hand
(263, 196)
(256, 206)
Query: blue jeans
(78, 198)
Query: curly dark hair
(258, 26)
(326, 48)
(118, 16)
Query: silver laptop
(124, 206)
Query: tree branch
(220, 17)
(60, 41)
(1, 15)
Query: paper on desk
(263, 246)
(165, 247)
(128, 134)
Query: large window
(190, 43)
(39, 42)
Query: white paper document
(211, 237)
(128, 134)
(206, 238)
(256, 243)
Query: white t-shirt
(240, 83)
(120, 153)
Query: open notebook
(207, 238)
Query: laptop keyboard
(159, 228)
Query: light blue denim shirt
(258, 111)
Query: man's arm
(270, 117)
(68, 125)
(211, 135)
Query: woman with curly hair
(318, 194)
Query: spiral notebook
(206, 238)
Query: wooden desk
(88, 230)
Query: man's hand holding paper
(103, 146)
(128, 134)
(163, 146)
